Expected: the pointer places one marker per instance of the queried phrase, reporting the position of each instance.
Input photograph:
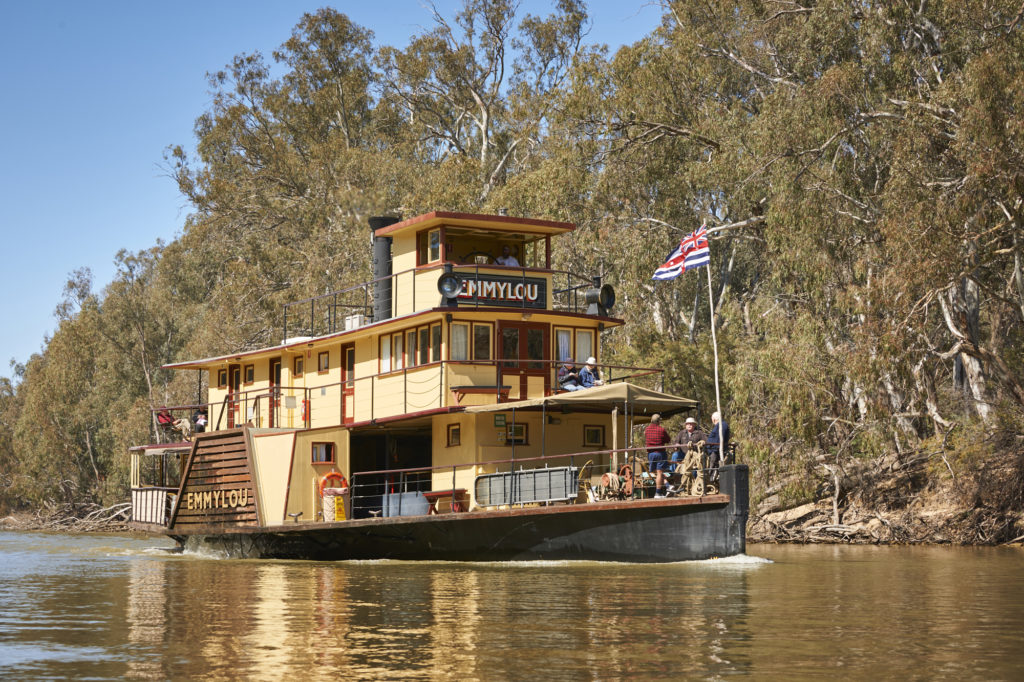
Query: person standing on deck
(655, 439)
(718, 441)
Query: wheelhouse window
(249, 374)
(323, 362)
(429, 246)
(323, 453)
(222, 378)
(297, 366)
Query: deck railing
(353, 307)
(617, 474)
(152, 504)
(406, 390)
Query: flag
(692, 252)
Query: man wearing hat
(588, 375)
(689, 440)
(691, 436)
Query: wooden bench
(461, 391)
(457, 496)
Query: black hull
(649, 531)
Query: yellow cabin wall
(303, 489)
(483, 452)
(272, 460)
(464, 455)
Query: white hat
(591, 360)
(691, 420)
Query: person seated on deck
(167, 423)
(717, 442)
(589, 376)
(568, 379)
(200, 419)
(506, 257)
(655, 439)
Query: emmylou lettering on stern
(217, 499)
(505, 291)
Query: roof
(491, 222)
(639, 399)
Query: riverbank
(71, 518)
(920, 498)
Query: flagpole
(714, 345)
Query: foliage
(858, 166)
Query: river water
(119, 606)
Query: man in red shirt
(656, 438)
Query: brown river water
(119, 606)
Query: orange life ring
(340, 477)
(304, 414)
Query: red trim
(407, 415)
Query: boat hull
(663, 530)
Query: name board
(498, 290)
(218, 499)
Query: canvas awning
(599, 398)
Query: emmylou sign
(516, 292)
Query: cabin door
(524, 352)
(275, 391)
(234, 394)
(348, 383)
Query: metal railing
(153, 504)
(419, 388)
(406, 492)
(325, 314)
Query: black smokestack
(381, 268)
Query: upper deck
(448, 321)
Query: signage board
(502, 290)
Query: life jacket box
(336, 504)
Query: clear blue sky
(91, 93)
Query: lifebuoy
(332, 475)
(304, 414)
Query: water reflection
(111, 609)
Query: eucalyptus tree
(476, 91)
(287, 171)
(855, 165)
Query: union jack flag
(692, 252)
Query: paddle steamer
(418, 416)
